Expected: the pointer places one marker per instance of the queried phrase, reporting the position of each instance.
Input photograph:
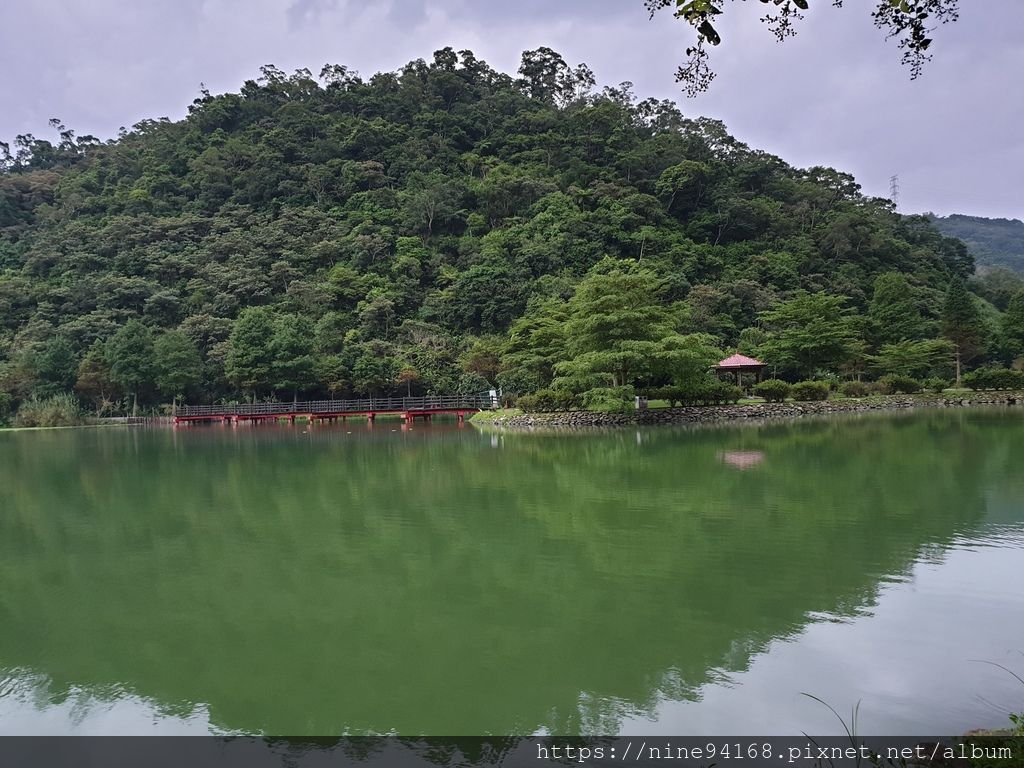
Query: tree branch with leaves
(910, 22)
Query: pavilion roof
(739, 361)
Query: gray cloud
(835, 95)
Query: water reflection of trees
(433, 582)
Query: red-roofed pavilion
(737, 365)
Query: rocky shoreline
(755, 412)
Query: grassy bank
(485, 417)
(745, 412)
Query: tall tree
(619, 331)
(250, 358)
(94, 379)
(893, 311)
(962, 324)
(55, 367)
(536, 343)
(177, 364)
(129, 353)
(912, 358)
(375, 368)
(809, 332)
(294, 367)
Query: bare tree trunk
(958, 366)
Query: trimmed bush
(894, 384)
(662, 393)
(994, 378)
(855, 389)
(724, 393)
(772, 390)
(706, 392)
(810, 390)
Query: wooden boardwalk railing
(409, 407)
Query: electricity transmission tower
(894, 190)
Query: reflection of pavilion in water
(741, 459)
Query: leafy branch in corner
(911, 22)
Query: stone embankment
(758, 411)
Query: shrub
(674, 396)
(830, 378)
(540, 401)
(772, 390)
(936, 384)
(810, 390)
(527, 403)
(610, 399)
(855, 389)
(721, 393)
(547, 400)
(994, 378)
(706, 392)
(56, 411)
(565, 400)
(894, 384)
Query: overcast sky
(835, 95)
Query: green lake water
(341, 579)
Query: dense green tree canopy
(441, 227)
(809, 333)
(619, 330)
(178, 366)
(893, 312)
(1013, 325)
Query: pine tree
(962, 325)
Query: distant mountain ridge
(993, 242)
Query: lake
(436, 580)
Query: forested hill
(424, 230)
(994, 242)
